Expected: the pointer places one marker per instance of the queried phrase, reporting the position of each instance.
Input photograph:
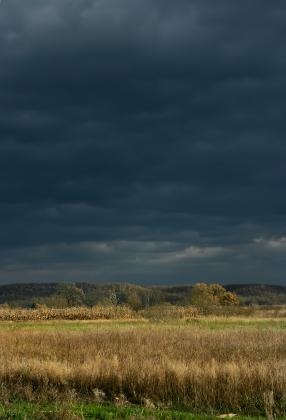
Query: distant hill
(26, 291)
(24, 294)
(254, 289)
(261, 294)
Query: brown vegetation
(179, 365)
(42, 313)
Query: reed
(44, 313)
(74, 313)
(171, 365)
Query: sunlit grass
(201, 365)
(195, 364)
(193, 323)
(217, 322)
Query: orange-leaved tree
(207, 298)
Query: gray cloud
(142, 141)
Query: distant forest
(29, 294)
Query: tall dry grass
(75, 313)
(225, 369)
(97, 312)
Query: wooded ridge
(24, 294)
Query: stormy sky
(143, 141)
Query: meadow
(202, 366)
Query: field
(195, 368)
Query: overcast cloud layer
(143, 141)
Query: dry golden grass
(274, 313)
(75, 313)
(96, 313)
(168, 312)
(182, 365)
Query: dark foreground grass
(21, 410)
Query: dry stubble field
(202, 364)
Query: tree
(72, 294)
(92, 298)
(113, 298)
(135, 301)
(146, 299)
(216, 292)
(207, 298)
(202, 298)
(229, 298)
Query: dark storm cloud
(142, 140)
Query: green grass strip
(21, 410)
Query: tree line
(51, 294)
